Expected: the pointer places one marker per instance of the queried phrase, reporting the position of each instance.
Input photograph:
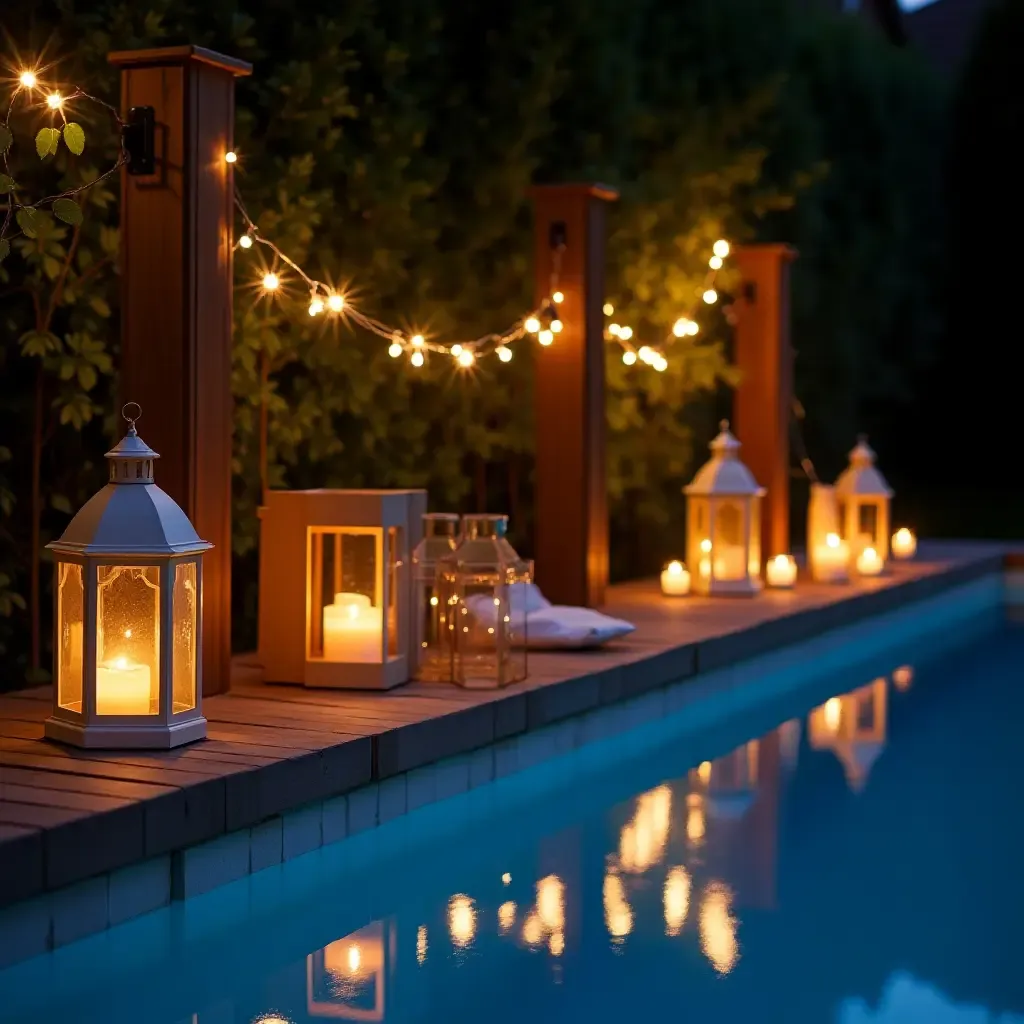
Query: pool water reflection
(857, 864)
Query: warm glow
(123, 687)
(644, 837)
(55, 101)
(417, 341)
(660, 364)
(704, 772)
(551, 903)
(557, 297)
(335, 302)
(466, 358)
(625, 333)
(715, 263)
(230, 157)
(868, 563)
(316, 306)
(705, 546)
(710, 296)
(614, 329)
(456, 350)
(504, 353)
(903, 677)
(904, 543)
(676, 897)
(618, 915)
(271, 282)
(556, 326)
(417, 359)
(833, 712)
(832, 540)
(696, 825)
(245, 241)
(718, 928)
(506, 916)
(608, 309)
(533, 930)
(394, 350)
(506, 879)
(675, 569)
(532, 324)
(353, 629)
(421, 943)
(545, 337)
(781, 571)
(629, 358)
(721, 248)
(646, 354)
(556, 944)
(675, 580)
(679, 328)
(461, 920)
(355, 959)
(28, 80)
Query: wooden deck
(69, 815)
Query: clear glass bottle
(482, 587)
(440, 538)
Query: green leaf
(6, 184)
(46, 142)
(5, 249)
(51, 268)
(87, 376)
(28, 220)
(68, 211)
(99, 306)
(39, 343)
(74, 138)
(6, 138)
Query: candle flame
(675, 568)
(832, 540)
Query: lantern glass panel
(699, 537)
(183, 658)
(345, 579)
(440, 531)
(127, 640)
(395, 569)
(867, 522)
(71, 617)
(728, 554)
(754, 538)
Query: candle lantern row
(128, 589)
(334, 587)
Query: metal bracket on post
(138, 140)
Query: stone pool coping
(89, 839)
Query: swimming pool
(848, 854)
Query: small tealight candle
(868, 563)
(780, 572)
(830, 561)
(675, 580)
(904, 543)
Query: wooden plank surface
(68, 814)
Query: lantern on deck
(723, 523)
(128, 587)
(440, 538)
(334, 587)
(483, 597)
(863, 499)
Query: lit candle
(781, 572)
(675, 580)
(729, 563)
(868, 563)
(122, 688)
(904, 543)
(353, 630)
(830, 560)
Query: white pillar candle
(830, 561)
(123, 688)
(869, 563)
(730, 563)
(780, 572)
(675, 580)
(904, 543)
(353, 630)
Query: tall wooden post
(764, 397)
(176, 238)
(571, 501)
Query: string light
(680, 326)
(614, 330)
(316, 306)
(456, 350)
(629, 357)
(545, 337)
(394, 350)
(556, 326)
(417, 342)
(55, 101)
(335, 302)
(504, 353)
(28, 80)
(230, 157)
(715, 263)
(417, 359)
(466, 358)
(271, 282)
(710, 296)
(721, 248)
(557, 297)
(245, 241)
(625, 333)
(531, 325)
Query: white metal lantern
(723, 523)
(863, 498)
(128, 617)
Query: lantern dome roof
(862, 478)
(724, 474)
(131, 515)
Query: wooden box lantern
(335, 587)
(863, 500)
(723, 523)
(128, 588)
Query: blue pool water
(849, 855)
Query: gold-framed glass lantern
(128, 616)
(334, 587)
(863, 497)
(723, 523)
(440, 539)
(482, 585)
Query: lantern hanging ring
(129, 418)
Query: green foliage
(46, 142)
(74, 138)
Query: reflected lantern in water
(128, 643)
(346, 980)
(853, 726)
(723, 523)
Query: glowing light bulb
(28, 80)
(710, 296)
(55, 101)
(646, 354)
(557, 297)
(545, 337)
(721, 248)
(692, 328)
(245, 241)
(614, 330)
(608, 309)
(679, 328)
(271, 282)
(705, 546)
(629, 358)
(556, 326)
(417, 359)
(832, 540)
(715, 263)
(394, 350)
(335, 303)
(466, 358)
(456, 350)
(316, 306)
(417, 341)
(625, 333)
(661, 364)
(230, 157)
(532, 325)
(504, 353)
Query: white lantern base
(340, 675)
(747, 587)
(131, 736)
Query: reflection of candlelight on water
(695, 823)
(903, 677)
(704, 772)
(643, 838)
(556, 944)
(506, 878)
(551, 903)
(676, 897)
(833, 712)
(618, 915)
(421, 943)
(461, 920)
(718, 928)
(533, 929)
(506, 917)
